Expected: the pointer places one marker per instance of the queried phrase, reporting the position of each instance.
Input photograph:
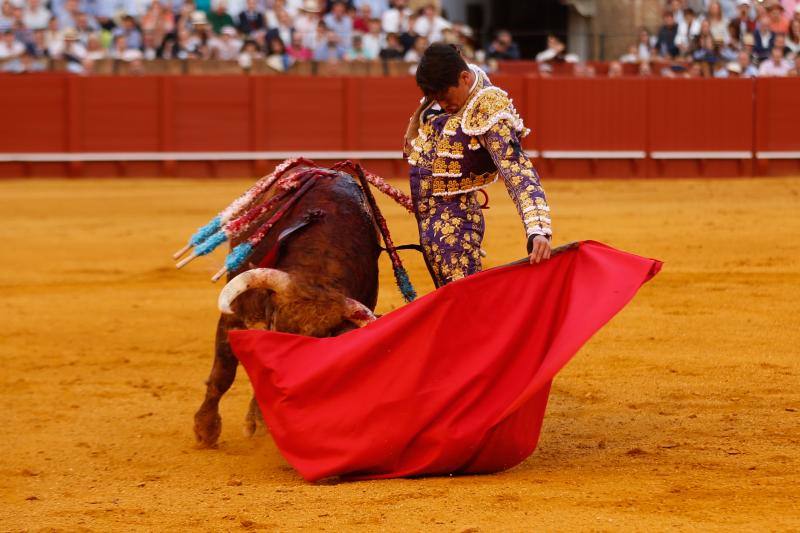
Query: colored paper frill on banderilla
(453, 383)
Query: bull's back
(337, 250)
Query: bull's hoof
(254, 423)
(207, 428)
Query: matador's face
(454, 98)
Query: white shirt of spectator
(59, 48)
(373, 44)
(131, 54)
(37, 19)
(378, 7)
(431, 28)
(293, 7)
(15, 49)
(769, 69)
(411, 56)
(306, 26)
(687, 32)
(225, 50)
(395, 20)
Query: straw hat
(311, 6)
(734, 67)
(198, 18)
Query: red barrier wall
(581, 127)
(777, 126)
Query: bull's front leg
(207, 422)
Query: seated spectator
(644, 48)
(357, 52)
(764, 38)
(373, 39)
(718, 24)
(631, 56)
(219, 17)
(793, 37)
(377, 7)
(130, 31)
(122, 50)
(25, 63)
(249, 54)
(329, 48)
(430, 24)
(706, 55)
(10, 47)
(37, 45)
(251, 19)
(665, 38)
(503, 47)
(697, 70)
(678, 8)
(6, 15)
(36, 15)
(94, 49)
(796, 67)
(361, 18)
(414, 54)
(582, 70)
(645, 70)
(306, 23)
(393, 48)
(396, 19)
(183, 17)
(746, 65)
(178, 46)
(67, 14)
(409, 36)
(555, 50)
(748, 46)
(284, 30)
(297, 50)
(729, 70)
(780, 42)
(277, 58)
(85, 26)
(776, 65)
(339, 22)
(688, 30)
(158, 19)
(227, 45)
(743, 21)
(465, 40)
(777, 22)
(615, 70)
(730, 50)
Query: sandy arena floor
(683, 413)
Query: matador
(464, 135)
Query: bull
(322, 282)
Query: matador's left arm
(520, 178)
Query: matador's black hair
(439, 68)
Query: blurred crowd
(722, 39)
(277, 32)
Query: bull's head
(298, 307)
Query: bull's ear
(357, 313)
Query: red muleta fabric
(453, 383)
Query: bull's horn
(258, 278)
(357, 313)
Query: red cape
(454, 383)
